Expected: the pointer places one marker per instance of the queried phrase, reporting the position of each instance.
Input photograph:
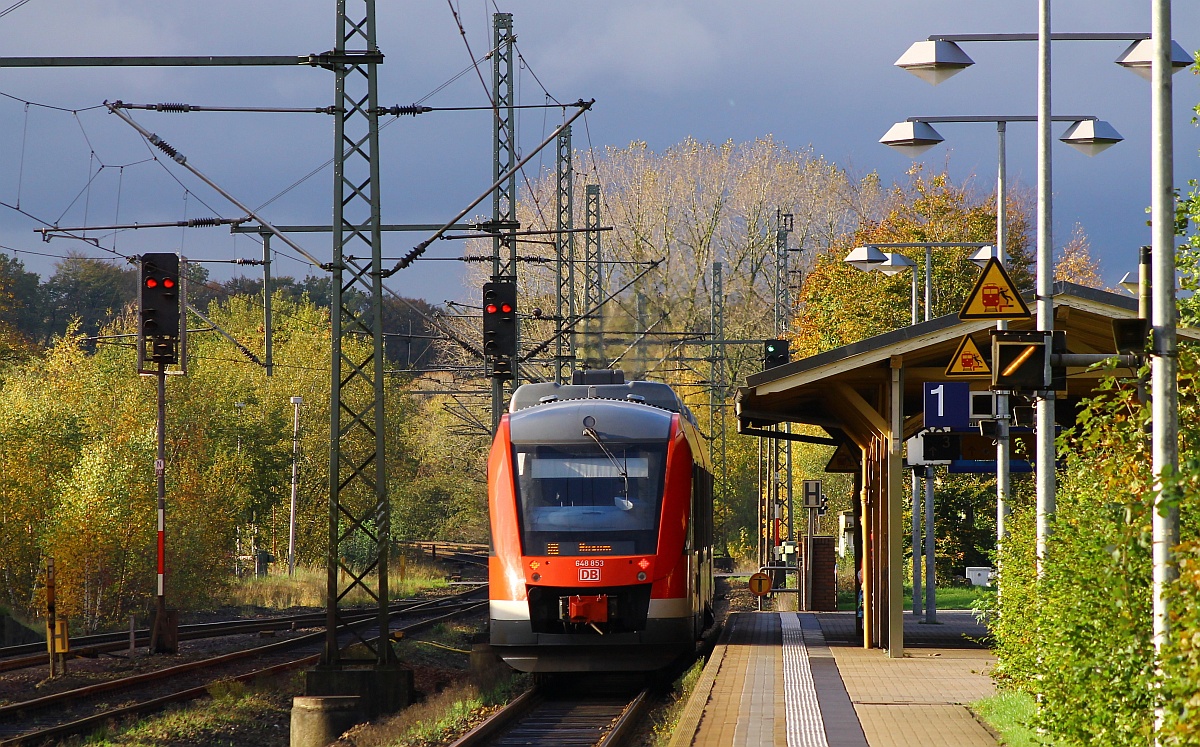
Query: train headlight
(537, 577)
(641, 576)
(643, 564)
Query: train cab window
(576, 499)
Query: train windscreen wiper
(621, 502)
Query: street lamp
(296, 402)
(896, 263)
(935, 63)
(940, 57)
(1090, 136)
(869, 257)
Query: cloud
(649, 48)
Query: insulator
(166, 147)
(411, 109)
(180, 108)
(203, 222)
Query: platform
(798, 680)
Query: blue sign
(947, 404)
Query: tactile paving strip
(805, 726)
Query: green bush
(1079, 639)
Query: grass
(440, 717)
(667, 720)
(236, 714)
(948, 597)
(307, 589)
(1009, 714)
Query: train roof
(607, 384)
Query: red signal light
(151, 283)
(168, 283)
(490, 308)
(506, 309)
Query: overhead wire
(12, 7)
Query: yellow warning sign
(967, 361)
(994, 296)
(844, 459)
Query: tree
(840, 305)
(92, 290)
(20, 298)
(1075, 262)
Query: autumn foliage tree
(840, 304)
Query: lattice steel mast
(564, 245)
(717, 388)
(358, 501)
(504, 198)
(593, 288)
(782, 448)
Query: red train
(600, 495)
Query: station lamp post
(940, 57)
(868, 258)
(1155, 56)
(916, 135)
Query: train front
(590, 503)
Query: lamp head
(934, 61)
(865, 258)
(1091, 136)
(1139, 57)
(983, 255)
(912, 137)
(895, 263)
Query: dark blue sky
(809, 74)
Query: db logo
(589, 574)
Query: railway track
(54, 716)
(89, 646)
(595, 713)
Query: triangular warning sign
(844, 459)
(967, 361)
(994, 296)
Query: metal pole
(1003, 439)
(808, 561)
(51, 618)
(296, 402)
(1045, 288)
(1164, 357)
(930, 575)
(267, 330)
(928, 282)
(160, 473)
(762, 511)
(916, 543)
(895, 503)
(915, 303)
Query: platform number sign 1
(947, 404)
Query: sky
(817, 75)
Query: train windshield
(590, 499)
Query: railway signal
(158, 307)
(1019, 360)
(775, 353)
(500, 327)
